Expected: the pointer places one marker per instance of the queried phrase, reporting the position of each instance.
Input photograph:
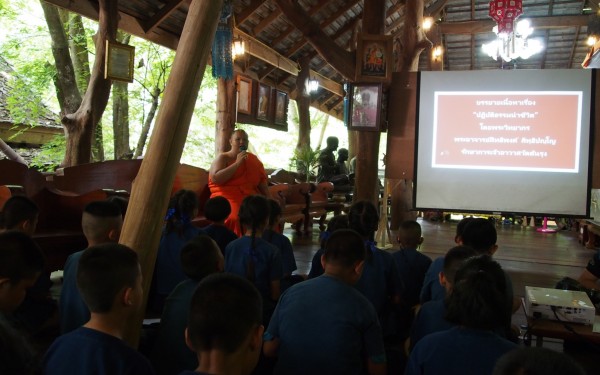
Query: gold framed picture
(281, 105)
(244, 103)
(119, 62)
(374, 58)
(263, 102)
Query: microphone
(243, 148)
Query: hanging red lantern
(505, 12)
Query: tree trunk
(303, 100)
(79, 50)
(80, 126)
(65, 81)
(151, 188)
(146, 128)
(226, 109)
(120, 97)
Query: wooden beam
(485, 26)
(394, 8)
(161, 15)
(339, 13)
(432, 11)
(337, 101)
(127, 23)
(248, 10)
(266, 21)
(260, 50)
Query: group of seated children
(338, 321)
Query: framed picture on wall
(374, 58)
(244, 102)
(281, 104)
(263, 102)
(119, 62)
(365, 106)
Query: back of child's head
(454, 259)
(409, 234)
(460, 227)
(478, 298)
(200, 257)
(20, 257)
(99, 219)
(183, 206)
(224, 309)
(103, 271)
(254, 212)
(345, 247)
(120, 201)
(337, 222)
(364, 219)
(537, 361)
(16, 210)
(480, 234)
(217, 209)
(274, 212)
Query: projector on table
(557, 304)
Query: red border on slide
(520, 131)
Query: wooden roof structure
(274, 46)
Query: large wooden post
(366, 182)
(303, 101)
(151, 188)
(226, 107)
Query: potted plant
(305, 161)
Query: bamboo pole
(152, 186)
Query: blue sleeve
(316, 268)
(373, 337)
(287, 257)
(275, 268)
(272, 331)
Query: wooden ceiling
(275, 46)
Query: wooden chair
(292, 209)
(5, 194)
(117, 175)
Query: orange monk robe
(243, 183)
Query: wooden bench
(290, 212)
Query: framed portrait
(281, 104)
(374, 58)
(244, 98)
(365, 106)
(119, 62)
(263, 102)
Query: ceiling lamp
(511, 42)
(238, 47)
(313, 85)
(427, 23)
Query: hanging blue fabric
(222, 61)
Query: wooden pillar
(152, 186)
(366, 183)
(226, 109)
(303, 100)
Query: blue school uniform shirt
(221, 235)
(88, 351)
(73, 311)
(171, 353)
(325, 326)
(430, 318)
(267, 262)
(316, 268)
(412, 266)
(288, 261)
(169, 272)
(380, 279)
(457, 351)
(432, 289)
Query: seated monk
(235, 174)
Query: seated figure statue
(329, 168)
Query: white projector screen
(504, 141)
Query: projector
(557, 304)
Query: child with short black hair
(19, 213)
(101, 222)
(225, 325)
(178, 230)
(200, 257)
(217, 209)
(110, 281)
(280, 241)
(335, 223)
(324, 325)
(476, 306)
(254, 258)
(21, 262)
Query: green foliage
(51, 155)
(305, 161)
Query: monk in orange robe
(235, 174)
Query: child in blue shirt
(217, 209)
(335, 223)
(254, 258)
